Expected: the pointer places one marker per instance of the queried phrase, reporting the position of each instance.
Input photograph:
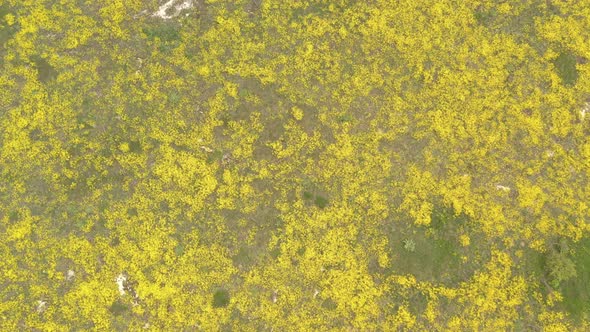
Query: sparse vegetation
(215, 165)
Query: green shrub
(321, 202)
(565, 65)
(221, 298)
(559, 265)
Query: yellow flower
(297, 113)
(124, 147)
(465, 240)
(9, 19)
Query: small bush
(221, 298)
(559, 265)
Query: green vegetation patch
(564, 268)
(320, 201)
(166, 35)
(565, 65)
(221, 298)
(434, 253)
(166, 32)
(576, 290)
(45, 71)
(6, 30)
(245, 257)
(119, 308)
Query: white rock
(503, 188)
(178, 7)
(584, 110)
(120, 282)
(41, 306)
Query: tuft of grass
(174, 98)
(345, 118)
(409, 245)
(275, 252)
(179, 250)
(132, 212)
(221, 298)
(320, 201)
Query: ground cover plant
(312, 165)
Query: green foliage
(294, 165)
(576, 289)
(221, 298)
(179, 250)
(444, 216)
(485, 17)
(165, 32)
(565, 65)
(166, 35)
(174, 98)
(45, 71)
(320, 201)
(345, 118)
(560, 267)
